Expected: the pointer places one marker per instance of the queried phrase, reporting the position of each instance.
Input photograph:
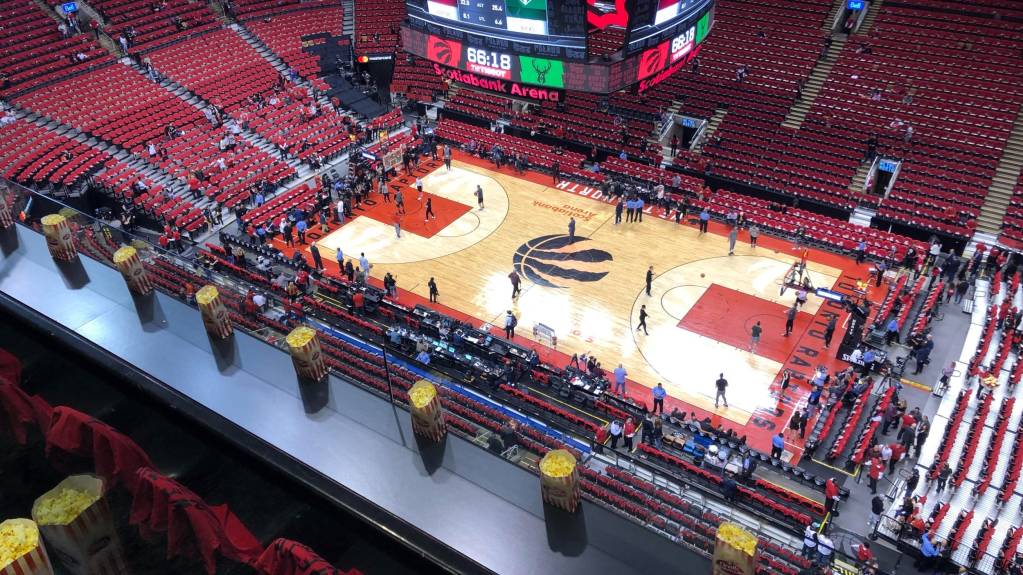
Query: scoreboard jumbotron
(536, 49)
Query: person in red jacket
(863, 553)
(628, 433)
(898, 452)
(600, 439)
(875, 473)
(830, 495)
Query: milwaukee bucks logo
(541, 70)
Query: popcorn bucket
(21, 550)
(559, 479)
(214, 314)
(130, 265)
(735, 551)
(426, 410)
(306, 354)
(76, 523)
(58, 237)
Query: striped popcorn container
(214, 314)
(130, 265)
(6, 218)
(74, 519)
(559, 479)
(58, 237)
(306, 354)
(21, 550)
(427, 410)
(735, 551)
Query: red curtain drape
(287, 557)
(116, 456)
(162, 505)
(19, 412)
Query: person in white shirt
(260, 301)
(616, 433)
(825, 549)
(809, 542)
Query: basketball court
(702, 305)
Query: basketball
(701, 275)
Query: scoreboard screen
(543, 28)
(653, 21)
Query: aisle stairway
(260, 47)
(1006, 175)
(860, 178)
(868, 20)
(819, 74)
(348, 26)
(836, 7)
(712, 126)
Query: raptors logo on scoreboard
(443, 51)
(653, 61)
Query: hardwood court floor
(590, 292)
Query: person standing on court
(704, 220)
(754, 233)
(429, 210)
(829, 331)
(777, 446)
(433, 290)
(317, 261)
(620, 374)
(642, 320)
(721, 384)
(419, 188)
(649, 279)
(571, 230)
(399, 201)
(397, 222)
(479, 196)
(619, 208)
(755, 332)
(339, 257)
(447, 157)
(659, 393)
(733, 235)
(385, 191)
(790, 319)
(515, 281)
(363, 262)
(510, 321)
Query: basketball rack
(797, 277)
